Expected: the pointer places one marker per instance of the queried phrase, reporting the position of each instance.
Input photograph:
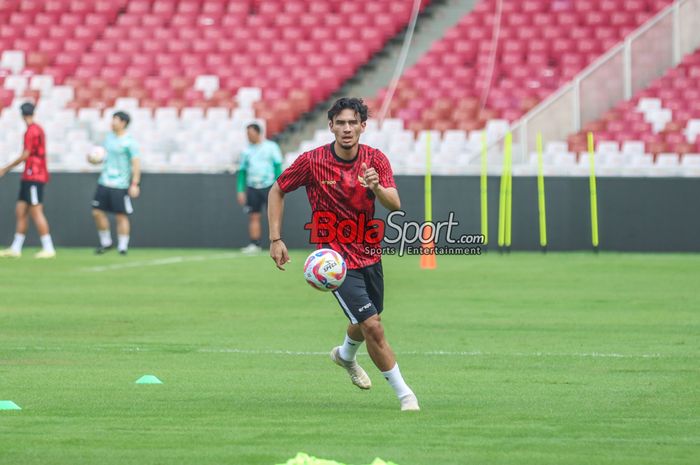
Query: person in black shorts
(31, 191)
(344, 180)
(260, 165)
(118, 184)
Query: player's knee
(36, 212)
(96, 213)
(372, 329)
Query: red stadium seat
(239, 40)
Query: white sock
(18, 243)
(123, 243)
(349, 349)
(105, 238)
(396, 381)
(47, 243)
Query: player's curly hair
(353, 103)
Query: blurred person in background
(119, 183)
(261, 164)
(31, 192)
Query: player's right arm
(242, 179)
(292, 178)
(275, 212)
(23, 157)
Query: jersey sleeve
(297, 175)
(383, 167)
(134, 150)
(243, 164)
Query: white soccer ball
(325, 270)
(97, 155)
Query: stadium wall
(199, 210)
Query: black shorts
(31, 192)
(112, 200)
(362, 293)
(255, 199)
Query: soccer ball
(97, 155)
(325, 270)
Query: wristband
(275, 240)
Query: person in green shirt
(261, 164)
(118, 184)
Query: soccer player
(261, 163)
(118, 184)
(31, 192)
(345, 178)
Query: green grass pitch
(564, 358)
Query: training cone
(9, 405)
(148, 379)
(427, 257)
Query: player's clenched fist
(371, 177)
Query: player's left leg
(123, 232)
(21, 213)
(254, 204)
(121, 202)
(103, 230)
(377, 346)
(42, 225)
(352, 343)
(22, 217)
(101, 204)
(383, 357)
(254, 227)
(345, 356)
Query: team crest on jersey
(330, 182)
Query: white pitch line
(429, 353)
(477, 353)
(164, 261)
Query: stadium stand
(188, 69)
(654, 134)
(468, 78)
(193, 73)
(665, 117)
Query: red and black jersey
(336, 186)
(35, 166)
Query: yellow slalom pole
(509, 189)
(427, 260)
(594, 193)
(502, 206)
(540, 194)
(428, 180)
(484, 191)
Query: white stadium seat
(42, 83)
(690, 164)
(647, 104)
(17, 83)
(207, 84)
(247, 96)
(12, 60)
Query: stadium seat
(541, 35)
(659, 120)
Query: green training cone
(9, 405)
(148, 379)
